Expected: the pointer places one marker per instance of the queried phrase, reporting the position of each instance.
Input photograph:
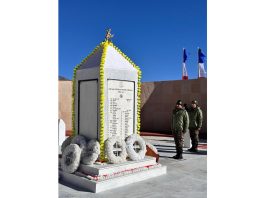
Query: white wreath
(66, 142)
(91, 153)
(71, 158)
(109, 143)
(81, 142)
(151, 146)
(130, 140)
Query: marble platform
(97, 178)
(97, 169)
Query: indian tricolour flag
(184, 69)
(201, 57)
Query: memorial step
(106, 169)
(99, 186)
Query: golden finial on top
(108, 35)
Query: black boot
(179, 156)
(175, 156)
(193, 149)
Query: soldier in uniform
(196, 117)
(179, 126)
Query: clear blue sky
(151, 32)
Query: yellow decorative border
(139, 85)
(74, 85)
(102, 100)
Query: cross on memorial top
(108, 35)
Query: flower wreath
(81, 142)
(112, 158)
(71, 158)
(130, 140)
(66, 142)
(92, 152)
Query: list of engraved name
(121, 108)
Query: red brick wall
(65, 103)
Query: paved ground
(186, 178)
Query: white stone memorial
(61, 133)
(106, 99)
(106, 95)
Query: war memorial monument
(106, 150)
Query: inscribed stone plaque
(120, 108)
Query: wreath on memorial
(115, 157)
(132, 152)
(66, 142)
(71, 158)
(81, 142)
(91, 153)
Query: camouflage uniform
(196, 118)
(179, 125)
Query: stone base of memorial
(103, 176)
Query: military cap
(179, 102)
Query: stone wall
(157, 101)
(65, 103)
(159, 98)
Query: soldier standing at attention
(196, 117)
(179, 126)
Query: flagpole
(198, 62)
(182, 64)
(182, 61)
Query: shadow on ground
(172, 149)
(166, 141)
(156, 145)
(184, 152)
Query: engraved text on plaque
(120, 108)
